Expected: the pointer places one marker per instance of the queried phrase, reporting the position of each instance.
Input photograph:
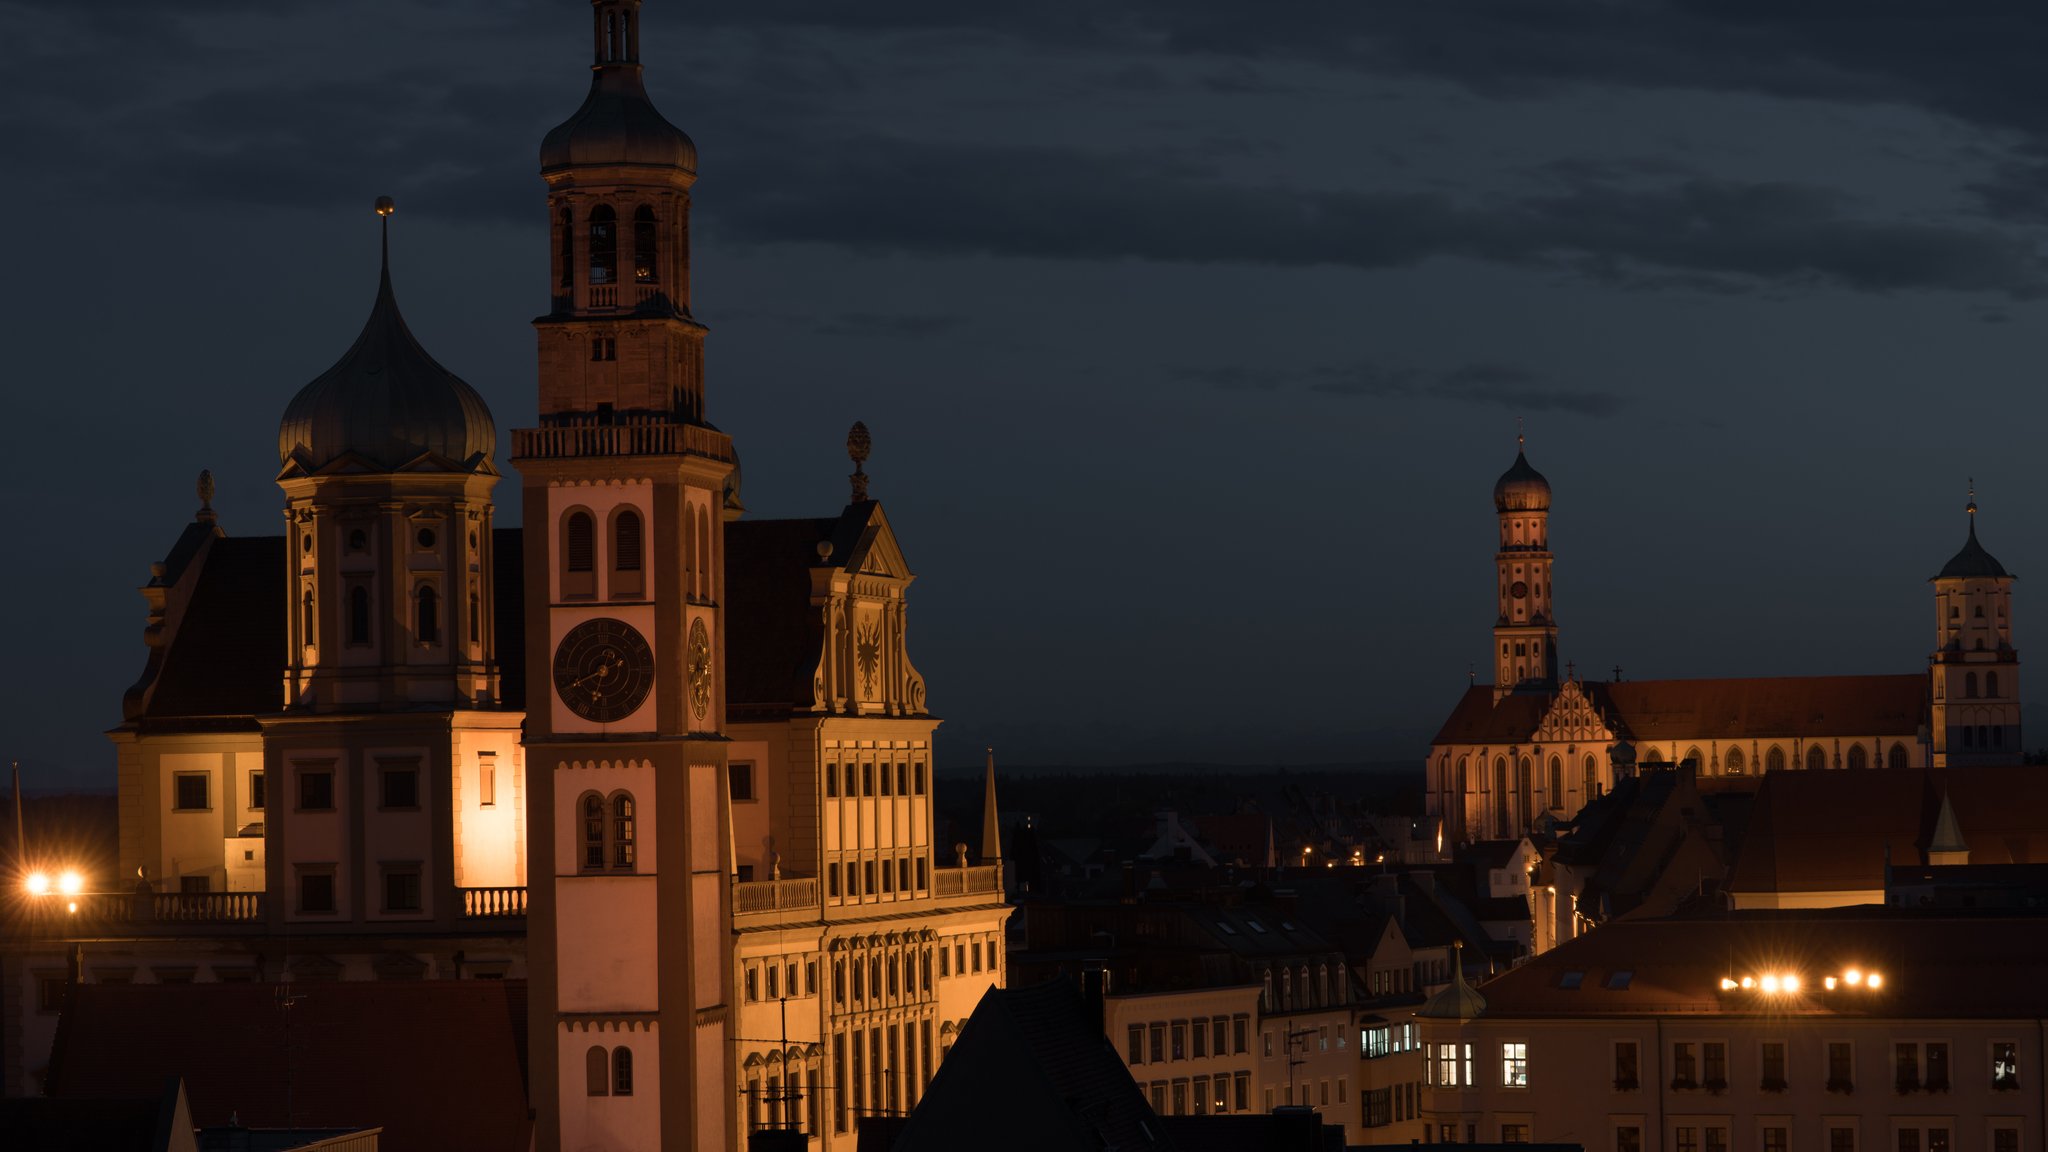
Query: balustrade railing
(624, 437)
(984, 878)
(504, 901)
(787, 894)
(206, 907)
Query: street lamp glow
(1789, 983)
(1852, 977)
(1770, 983)
(70, 883)
(1873, 981)
(1830, 982)
(1727, 984)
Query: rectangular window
(1625, 1066)
(1906, 1067)
(831, 780)
(1180, 1031)
(1136, 1052)
(2005, 1065)
(400, 786)
(1686, 1138)
(917, 778)
(903, 779)
(1241, 1092)
(316, 789)
(923, 877)
(1716, 1053)
(740, 780)
(487, 779)
(903, 875)
(1514, 1065)
(1717, 1139)
(256, 791)
(867, 779)
(2005, 1140)
(192, 792)
(1841, 1138)
(1180, 1097)
(1909, 1140)
(316, 889)
(401, 887)
(1446, 1065)
(195, 885)
(1201, 1096)
(1198, 1039)
(1219, 1035)
(868, 877)
(1158, 1037)
(1774, 1139)
(1514, 1133)
(1937, 1066)
(1774, 1066)
(1240, 1034)
(1841, 1067)
(975, 952)
(885, 780)
(1684, 1066)
(1628, 1138)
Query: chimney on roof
(1095, 992)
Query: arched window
(1970, 686)
(568, 273)
(475, 614)
(308, 622)
(1732, 762)
(594, 854)
(359, 615)
(1774, 760)
(1966, 736)
(1897, 757)
(622, 831)
(1653, 756)
(1698, 761)
(1500, 795)
(622, 1071)
(1991, 685)
(579, 554)
(1523, 783)
(427, 615)
(597, 1073)
(1592, 770)
(604, 245)
(1816, 759)
(645, 268)
(1556, 796)
(626, 554)
(1858, 757)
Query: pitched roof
(1973, 562)
(1477, 719)
(1764, 706)
(777, 635)
(1938, 966)
(1061, 1084)
(449, 1056)
(141, 1125)
(1831, 831)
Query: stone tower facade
(625, 488)
(1525, 632)
(1975, 670)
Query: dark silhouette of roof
(617, 123)
(1725, 709)
(438, 1064)
(1032, 1071)
(1973, 562)
(387, 402)
(139, 1125)
(777, 634)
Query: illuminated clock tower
(1525, 633)
(624, 489)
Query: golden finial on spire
(1520, 439)
(1971, 508)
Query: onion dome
(617, 123)
(1973, 562)
(1521, 488)
(1458, 1000)
(386, 401)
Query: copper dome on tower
(617, 123)
(1521, 488)
(1973, 561)
(387, 402)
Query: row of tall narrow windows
(602, 246)
(607, 832)
(1990, 686)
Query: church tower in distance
(1975, 693)
(625, 489)
(1525, 634)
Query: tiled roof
(1780, 706)
(1831, 831)
(1943, 966)
(438, 1064)
(777, 635)
(1478, 720)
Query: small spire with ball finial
(857, 444)
(385, 207)
(1971, 507)
(205, 514)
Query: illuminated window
(2005, 1065)
(1732, 763)
(645, 267)
(1514, 1064)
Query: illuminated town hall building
(1535, 746)
(672, 766)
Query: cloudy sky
(1192, 334)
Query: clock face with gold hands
(700, 669)
(604, 670)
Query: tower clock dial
(700, 669)
(1519, 590)
(604, 670)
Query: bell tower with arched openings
(625, 491)
(1525, 632)
(1975, 670)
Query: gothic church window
(1556, 782)
(1733, 762)
(1693, 754)
(1897, 757)
(1592, 780)
(1858, 758)
(1816, 759)
(1774, 760)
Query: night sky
(1192, 334)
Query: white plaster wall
(752, 827)
(491, 838)
(610, 943)
(610, 1123)
(317, 837)
(399, 835)
(191, 840)
(604, 777)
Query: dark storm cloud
(1491, 385)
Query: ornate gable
(1573, 719)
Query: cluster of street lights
(1789, 983)
(68, 884)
